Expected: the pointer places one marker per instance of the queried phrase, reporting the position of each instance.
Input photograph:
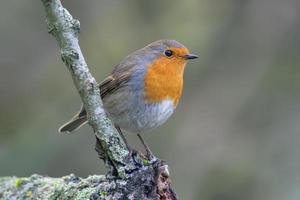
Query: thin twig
(65, 29)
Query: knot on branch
(51, 27)
(76, 26)
(69, 57)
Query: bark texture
(147, 183)
(129, 176)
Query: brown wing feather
(110, 84)
(113, 82)
(119, 76)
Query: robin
(142, 91)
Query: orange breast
(164, 80)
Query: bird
(143, 90)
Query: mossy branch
(147, 183)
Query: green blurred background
(235, 134)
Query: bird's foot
(149, 155)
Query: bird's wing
(108, 85)
(113, 82)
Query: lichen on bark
(148, 183)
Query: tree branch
(65, 29)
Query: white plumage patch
(158, 113)
(145, 117)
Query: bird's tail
(72, 125)
(75, 123)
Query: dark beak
(190, 56)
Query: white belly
(144, 117)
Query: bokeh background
(235, 134)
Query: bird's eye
(168, 53)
